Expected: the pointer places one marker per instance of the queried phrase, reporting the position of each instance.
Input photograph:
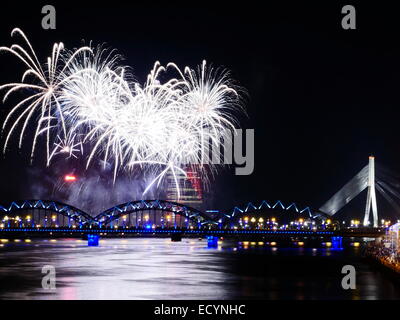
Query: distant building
(190, 188)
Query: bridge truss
(116, 212)
(233, 215)
(63, 209)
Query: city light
(69, 178)
(354, 223)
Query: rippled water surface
(147, 268)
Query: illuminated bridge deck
(167, 231)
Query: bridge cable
(347, 193)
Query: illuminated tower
(190, 188)
(371, 196)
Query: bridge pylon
(371, 195)
(365, 179)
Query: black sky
(321, 99)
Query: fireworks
(84, 104)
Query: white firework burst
(45, 82)
(85, 97)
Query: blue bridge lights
(154, 214)
(212, 241)
(270, 215)
(93, 240)
(337, 243)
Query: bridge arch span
(139, 208)
(36, 213)
(234, 215)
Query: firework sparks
(84, 99)
(49, 78)
(69, 146)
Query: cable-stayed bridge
(381, 180)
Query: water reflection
(161, 269)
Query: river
(156, 268)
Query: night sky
(321, 99)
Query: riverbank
(385, 260)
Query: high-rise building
(190, 188)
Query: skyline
(310, 107)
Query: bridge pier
(212, 241)
(337, 242)
(93, 240)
